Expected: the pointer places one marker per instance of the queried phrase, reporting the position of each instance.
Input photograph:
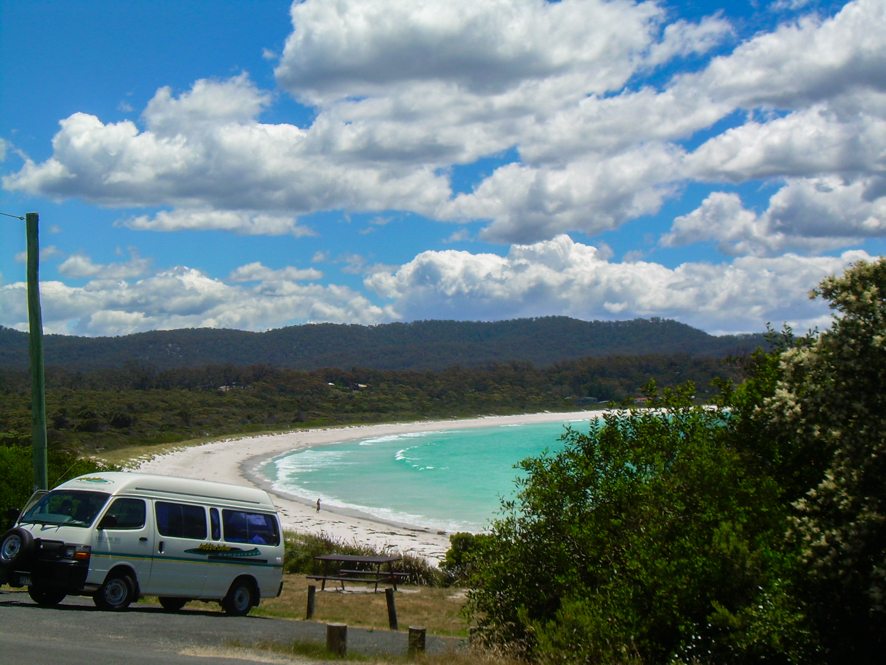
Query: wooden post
(416, 641)
(337, 638)
(312, 595)
(392, 609)
(38, 385)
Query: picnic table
(357, 568)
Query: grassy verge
(439, 609)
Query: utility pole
(38, 383)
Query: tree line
(419, 345)
(137, 404)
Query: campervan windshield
(68, 507)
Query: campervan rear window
(180, 520)
(241, 526)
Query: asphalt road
(76, 633)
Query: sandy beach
(237, 461)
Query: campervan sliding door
(180, 551)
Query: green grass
(438, 609)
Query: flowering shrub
(832, 396)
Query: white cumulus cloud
(561, 276)
(806, 215)
(240, 222)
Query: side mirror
(108, 522)
(12, 515)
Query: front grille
(50, 550)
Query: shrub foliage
(754, 530)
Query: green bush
(644, 538)
(463, 549)
(16, 480)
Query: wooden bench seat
(345, 571)
(363, 576)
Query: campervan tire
(172, 604)
(241, 597)
(46, 597)
(16, 547)
(116, 593)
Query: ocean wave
(309, 461)
(403, 457)
(388, 438)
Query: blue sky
(254, 165)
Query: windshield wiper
(35, 521)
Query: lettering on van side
(216, 551)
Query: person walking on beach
(318, 505)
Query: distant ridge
(420, 345)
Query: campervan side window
(125, 514)
(215, 523)
(241, 526)
(180, 520)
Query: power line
(6, 214)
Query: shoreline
(238, 460)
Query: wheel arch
(124, 568)
(233, 603)
(251, 580)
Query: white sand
(237, 460)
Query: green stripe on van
(171, 559)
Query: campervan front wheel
(46, 597)
(116, 593)
(241, 597)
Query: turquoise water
(450, 480)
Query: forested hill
(422, 345)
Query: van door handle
(143, 539)
(160, 547)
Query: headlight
(77, 552)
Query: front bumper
(48, 568)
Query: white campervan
(117, 536)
